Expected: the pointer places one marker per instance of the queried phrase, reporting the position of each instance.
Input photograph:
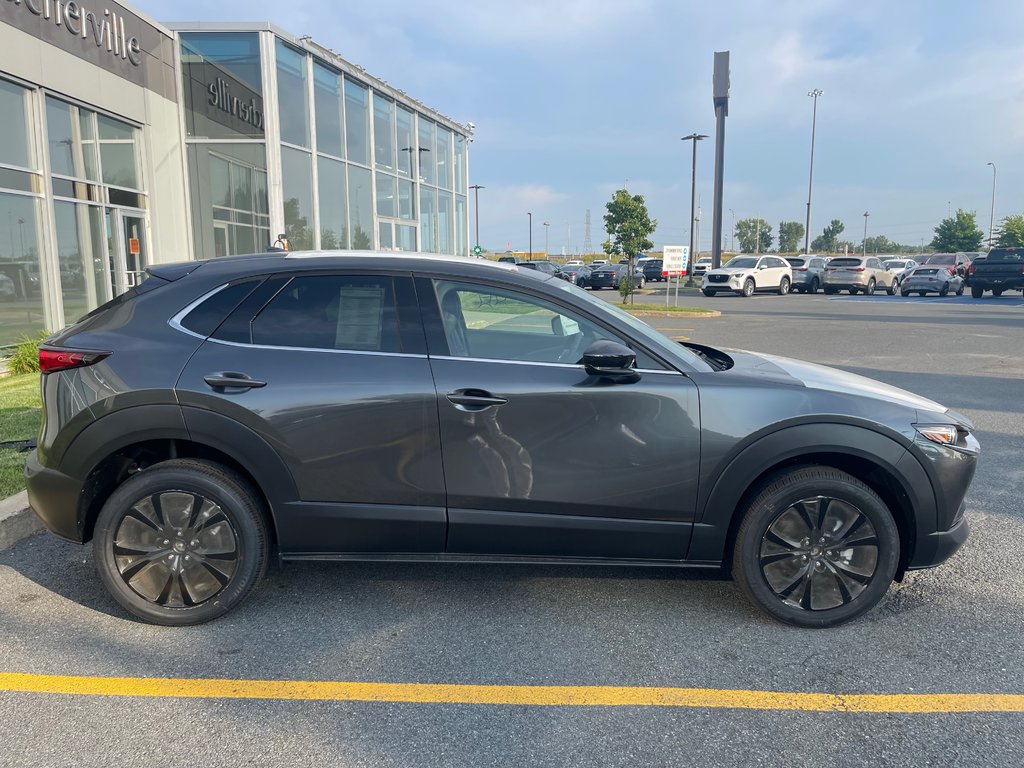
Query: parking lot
(520, 629)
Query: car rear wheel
(977, 292)
(997, 292)
(784, 286)
(870, 290)
(816, 548)
(814, 286)
(904, 293)
(960, 290)
(181, 543)
(748, 287)
(944, 290)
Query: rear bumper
(54, 498)
(935, 548)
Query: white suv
(746, 274)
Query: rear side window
(795, 262)
(205, 318)
(350, 312)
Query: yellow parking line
(515, 695)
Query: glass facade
(354, 166)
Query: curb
(17, 520)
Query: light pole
(476, 194)
(547, 225)
(865, 243)
(992, 214)
(732, 230)
(530, 215)
(810, 176)
(694, 137)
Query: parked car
(899, 267)
(547, 267)
(1002, 269)
(611, 276)
(376, 406)
(932, 279)
(8, 291)
(808, 272)
(746, 274)
(576, 273)
(574, 263)
(959, 262)
(702, 265)
(652, 269)
(857, 274)
(599, 262)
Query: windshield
(795, 262)
(895, 264)
(638, 328)
(1005, 254)
(844, 263)
(941, 258)
(741, 263)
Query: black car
(372, 406)
(546, 267)
(652, 269)
(612, 275)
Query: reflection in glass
(118, 156)
(327, 97)
(15, 126)
(461, 246)
(405, 237)
(71, 138)
(444, 222)
(21, 304)
(406, 145)
(426, 146)
(460, 164)
(384, 133)
(386, 203)
(428, 219)
(333, 204)
(297, 181)
(443, 156)
(357, 122)
(360, 210)
(385, 239)
(222, 85)
(291, 95)
(406, 200)
(228, 184)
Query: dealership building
(125, 143)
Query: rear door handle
(474, 399)
(232, 380)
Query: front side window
(497, 324)
(348, 312)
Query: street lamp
(992, 214)
(476, 194)
(547, 224)
(694, 137)
(810, 176)
(530, 215)
(732, 230)
(865, 243)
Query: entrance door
(127, 249)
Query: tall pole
(992, 214)
(476, 194)
(757, 236)
(720, 99)
(732, 229)
(547, 225)
(530, 215)
(865, 243)
(694, 137)
(810, 176)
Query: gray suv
(808, 272)
(368, 406)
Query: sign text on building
(106, 29)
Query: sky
(572, 99)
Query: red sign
(133, 246)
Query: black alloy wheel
(816, 548)
(960, 289)
(181, 542)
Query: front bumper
(936, 548)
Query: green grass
(20, 412)
(664, 308)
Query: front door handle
(232, 380)
(474, 399)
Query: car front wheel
(181, 542)
(784, 286)
(748, 287)
(816, 548)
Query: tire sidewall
(236, 504)
(769, 506)
(748, 287)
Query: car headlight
(949, 435)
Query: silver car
(7, 290)
(808, 272)
(932, 278)
(858, 274)
(900, 267)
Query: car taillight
(51, 360)
(859, 269)
(799, 269)
(970, 269)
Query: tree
(755, 235)
(880, 244)
(828, 240)
(790, 234)
(958, 233)
(1011, 232)
(629, 227)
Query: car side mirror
(763, 266)
(611, 360)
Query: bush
(25, 358)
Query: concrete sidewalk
(17, 521)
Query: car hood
(817, 376)
(730, 270)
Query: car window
(492, 323)
(844, 262)
(205, 317)
(350, 312)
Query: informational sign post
(675, 263)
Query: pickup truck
(1001, 270)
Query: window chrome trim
(175, 322)
(315, 349)
(542, 364)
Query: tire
(708, 292)
(870, 290)
(849, 583)
(224, 516)
(784, 286)
(944, 290)
(829, 291)
(641, 284)
(748, 288)
(960, 290)
(891, 290)
(814, 286)
(904, 293)
(977, 291)
(997, 292)
(854, 291)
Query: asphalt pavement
(954, 629)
